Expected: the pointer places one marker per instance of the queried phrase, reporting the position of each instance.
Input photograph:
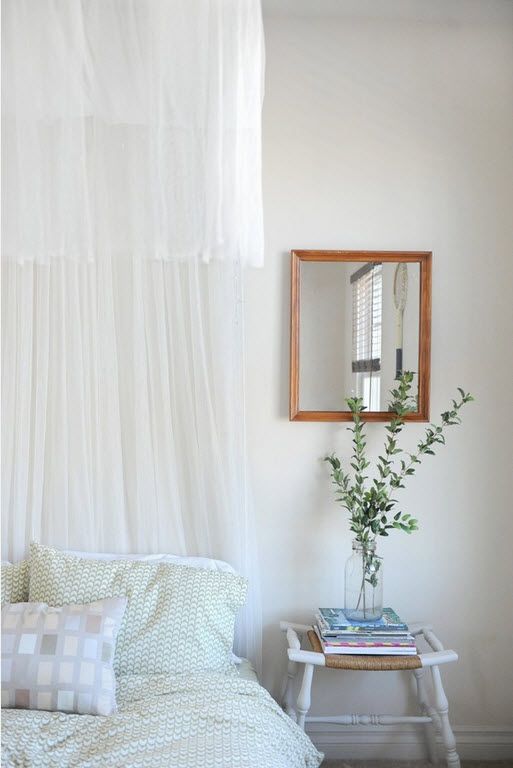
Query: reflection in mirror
(358, 329)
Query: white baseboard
(405, 742)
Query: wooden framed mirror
(358, 319)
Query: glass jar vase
(364, 583)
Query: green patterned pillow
(179, 620)
(15, 582)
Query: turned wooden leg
(426, 709)
(305, 695)
(442, 708)
(287, 699)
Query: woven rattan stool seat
(369, 663)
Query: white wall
(395, 133)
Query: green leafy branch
(371, 505)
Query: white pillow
(193, 562)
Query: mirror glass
(358, 327)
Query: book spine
(369, 645)
(368, 637)
(371, 633)
(365, 629)
(370, 651)
(389, 622)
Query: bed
(196, 719)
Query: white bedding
(246, 670)
(198, 721)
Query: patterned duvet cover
(198, 721)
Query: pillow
(193, 562)
(60, 658)
(15, 578)
(178, 620)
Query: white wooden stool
(434, 717)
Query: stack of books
(389, 636)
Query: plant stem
(362, 589)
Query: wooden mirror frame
(423, 258)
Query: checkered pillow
(60, 658)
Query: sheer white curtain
(123, 412)
(132, 125)
(131, 159)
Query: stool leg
(288, 690)
(305, 698)
(426, 709)
(442, 707)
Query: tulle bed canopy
(132, 126)
(131, 203)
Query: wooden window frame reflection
(423, 258)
